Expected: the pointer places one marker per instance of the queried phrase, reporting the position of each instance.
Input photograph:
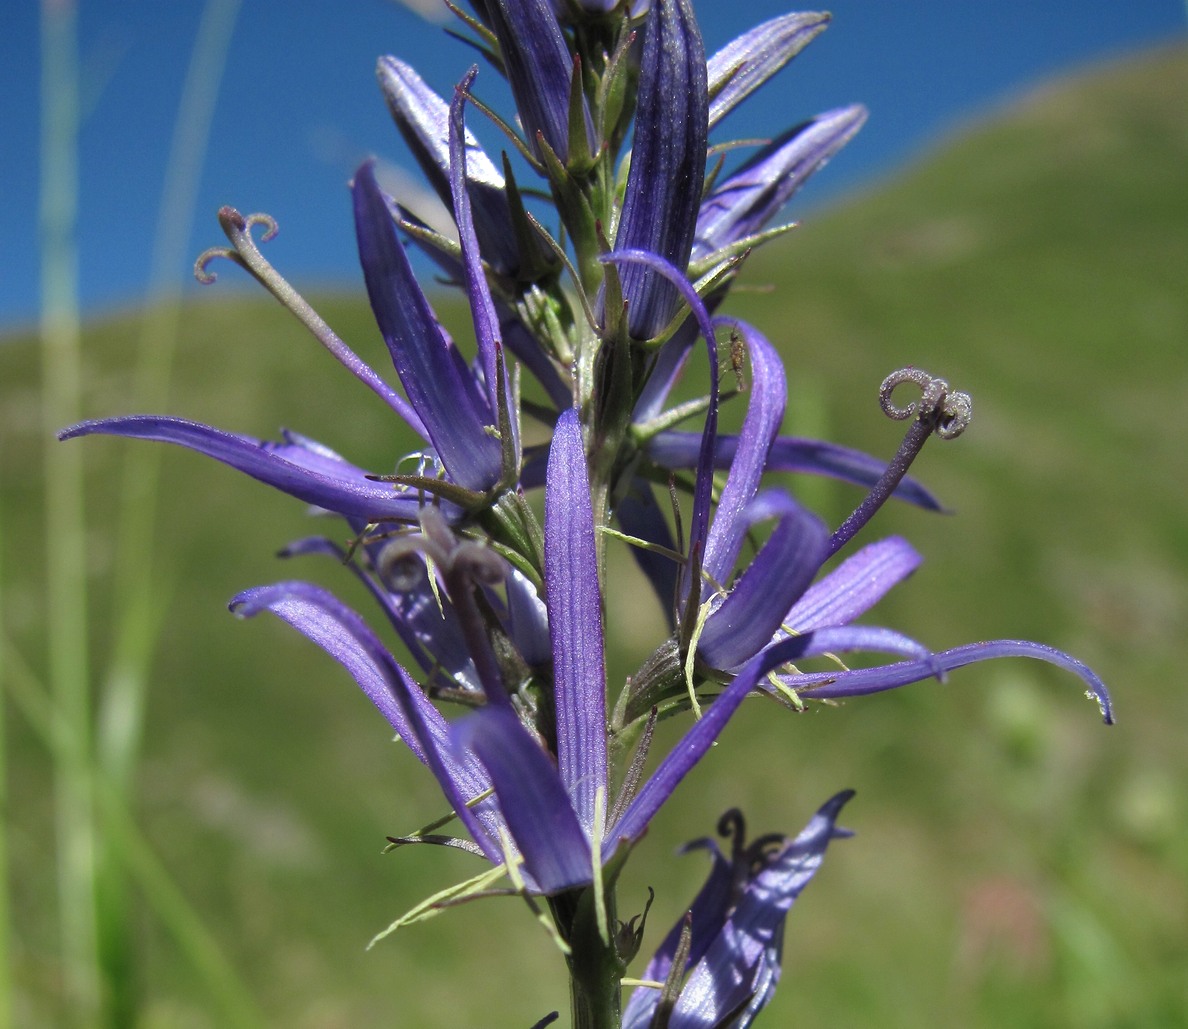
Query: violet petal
(765, 413)
(575, 621)
(533, 800)
(743, 204)
(308, 474)
(667, 170)
(860, 681)
(439, 385)
(854, 586)
(746, 63)
(339, 631)
(747, 619)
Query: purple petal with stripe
(313, 474)
(539, 69)
(746, 63)
(575, 621)
(439, 385)
(861, 681)
(423, 120)
(854, 586)
(850, 639)
(738, 974)
(745, 622)
(744, 203)
(667, 171)
(765, 413)
(482, 309)
(430, 631)
(533, 800)
(340, 632)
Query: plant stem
(595, 969)
(69, 671)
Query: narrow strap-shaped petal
(788, 561)
(539, 69)
(854, 586)
(744, 203)
(673, 449)
(440, 387)
(765, 412)
(423, 120)
(308, 474)
(531, 796)
(339, 631)
(575, 621)
(482, 309)
(667, 171)
(744, 64)
(427, 627)
(707, 915)
(860, 681)
(692, 747)
(740, 970)
(850, 639)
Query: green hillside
(1016, 863)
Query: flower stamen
(245, 253)
(939, 410)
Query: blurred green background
(1016, 863)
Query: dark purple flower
(667, 162)
(539, 68)
(735, 928)
(424, 121)
(746, 63)
(549, 795)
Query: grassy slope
(1015, 864)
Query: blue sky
(299, 108)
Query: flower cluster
(587, 310)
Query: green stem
(595, 969)
(69, 670)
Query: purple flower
(667, 162)
(733, 936)
(548, 786)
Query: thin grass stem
(66, 583)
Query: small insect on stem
(736, 360)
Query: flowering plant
(599, 287)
